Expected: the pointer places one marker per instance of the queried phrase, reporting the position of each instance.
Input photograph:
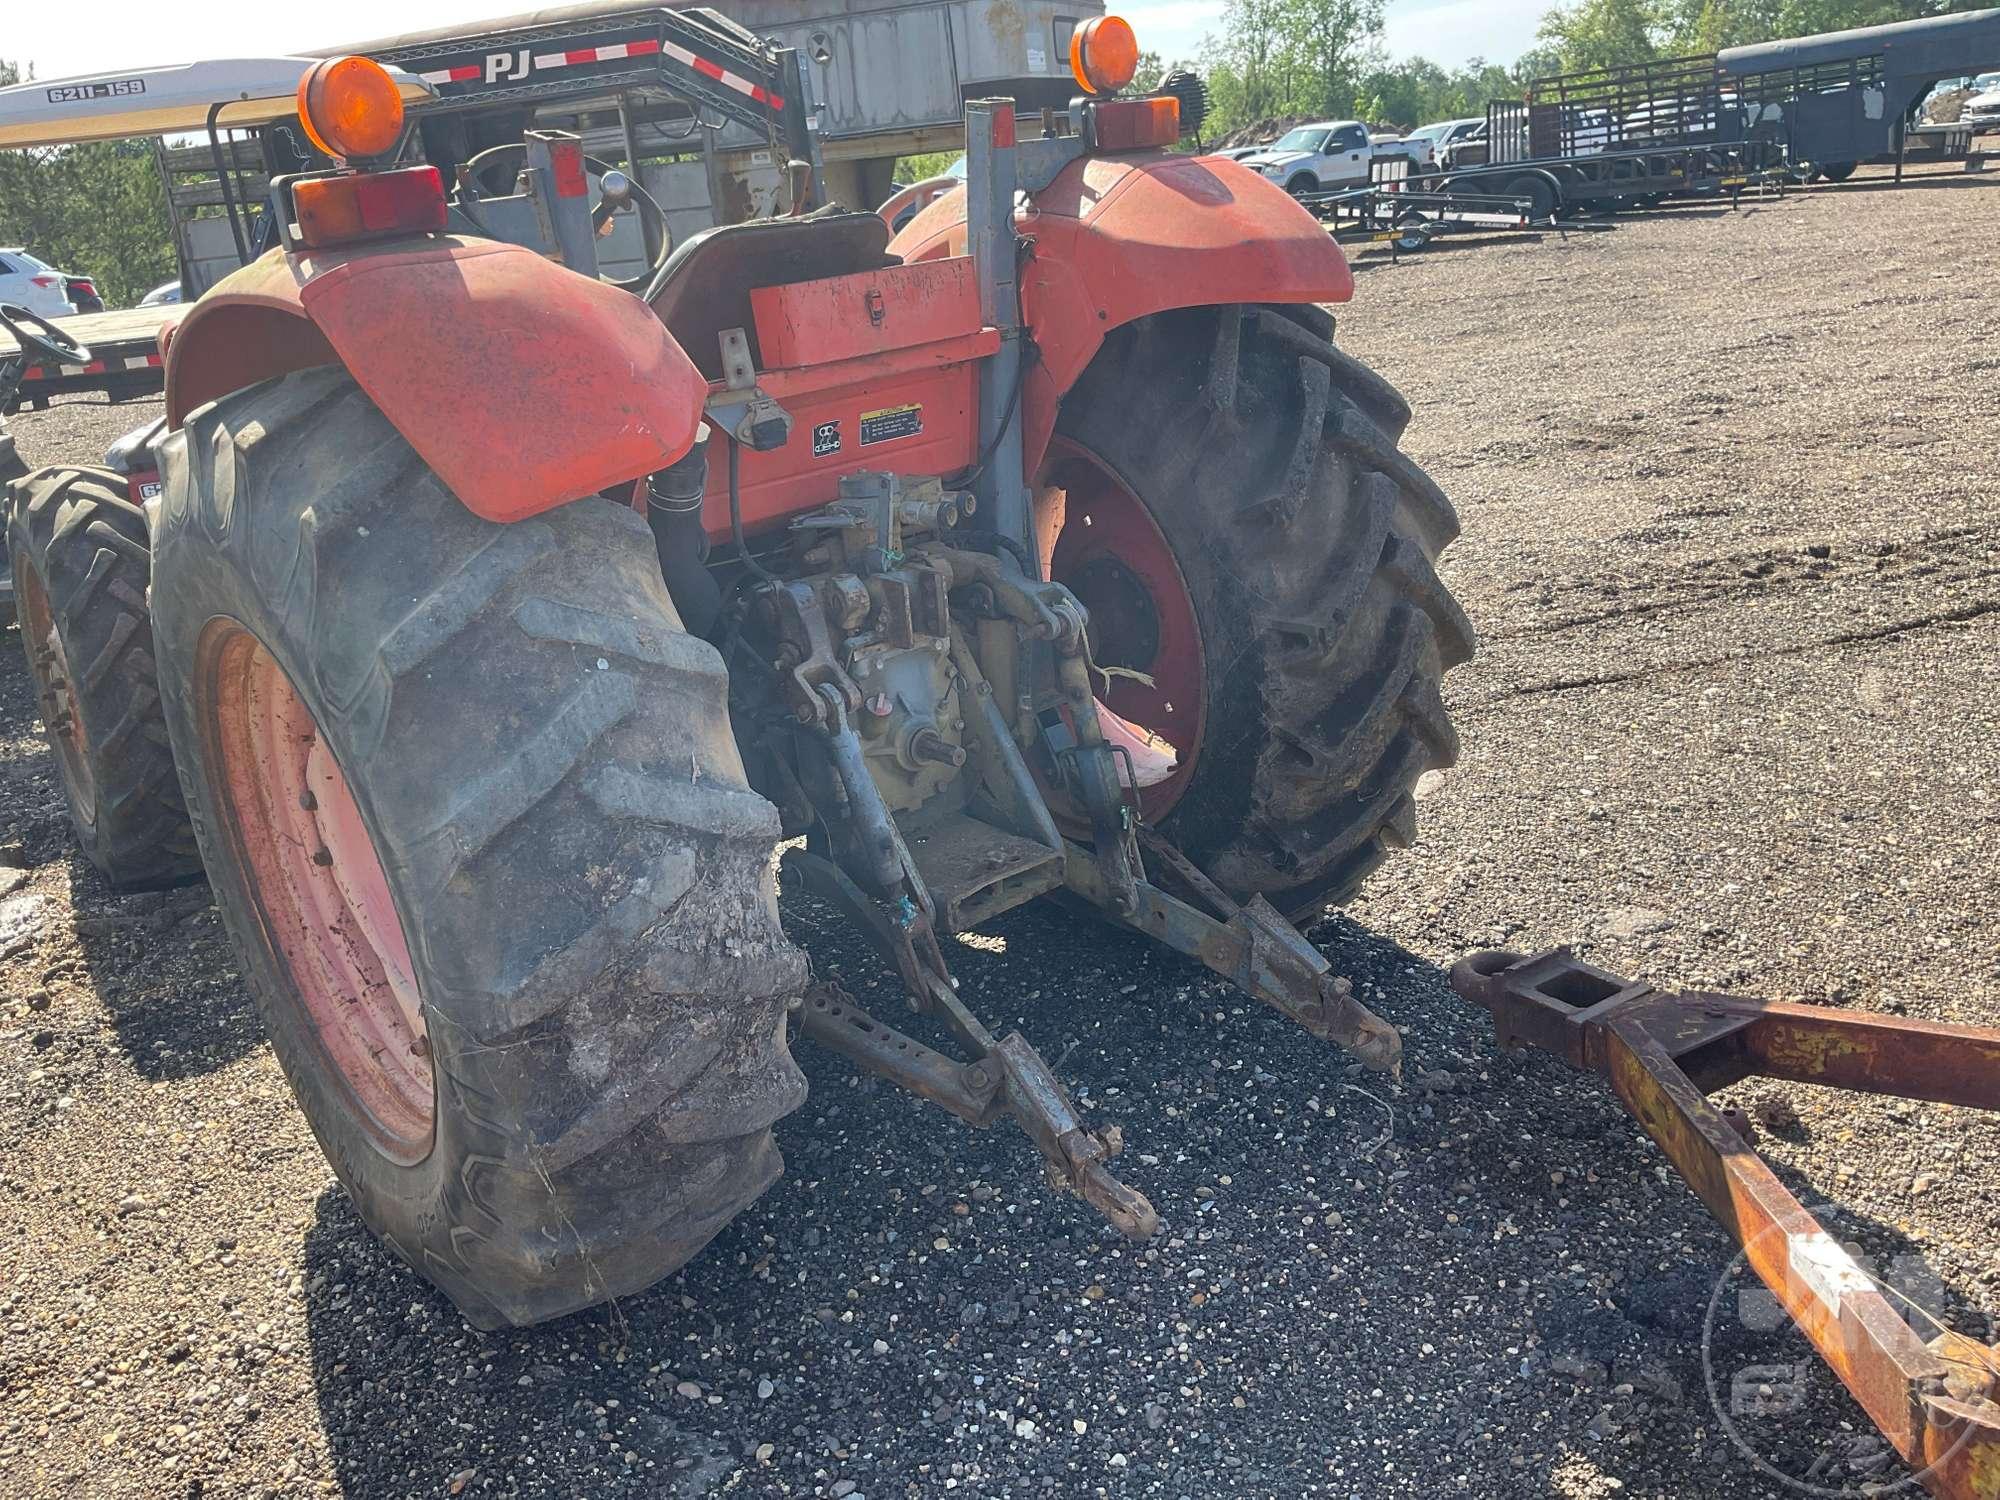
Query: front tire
(80, 564)
(518, 947)
(1259, 563)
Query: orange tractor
(491, 631)
(496, 628)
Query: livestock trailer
(1843, 97)
(1609, 137)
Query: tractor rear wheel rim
(56, 689)
(1100, 540)
(320, 889)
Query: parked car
(1444, 134)
(163, 295)
(1589, 130)
(1982, 110)
(1417, 150)
(1314, 158)
(34, 284)
(1466, 149)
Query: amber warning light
(351, 108)
(1103, 54)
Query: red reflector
(1003, 127)
(367, 205)
(1130, 124)
(567, 157)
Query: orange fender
(1119, 238)
(524, 386)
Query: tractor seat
(705, 285)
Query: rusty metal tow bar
(1937, 1401)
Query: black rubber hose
(988, 541)
(736, 513)
(673, 511)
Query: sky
(137, 33)
(1446, 31)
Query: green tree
(94, 209)
(1290, 57)
(1603, 33)
(1287, 58)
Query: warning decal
(890, 423)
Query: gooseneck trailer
(1807, 107)
(1841, 98)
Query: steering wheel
(617, 189)
(907, 202)
(38, 336)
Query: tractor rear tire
(1307, 544)
(548, 909)
(12, 467)
(80, 564)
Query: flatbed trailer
(1620, 137)
(1406, 216)
(1405, 207)
(1642, 176)
(124, 357)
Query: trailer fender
(524, 386)
(1116, 239)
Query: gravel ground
(1727, 488)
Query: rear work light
(352, 206)
(1129, 124)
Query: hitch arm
(1007, 1076)
(1936, 1401)
(1250, 945)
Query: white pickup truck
(1316, 158)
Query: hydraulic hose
(673, 511)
